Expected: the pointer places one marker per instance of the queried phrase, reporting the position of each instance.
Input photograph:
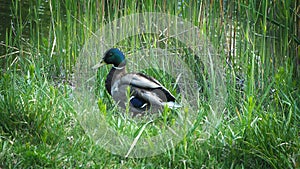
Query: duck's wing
(145, 98)
(146, 91)
(145, 84)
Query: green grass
(257, 43)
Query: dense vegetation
(258, 42)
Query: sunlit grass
(257, 43)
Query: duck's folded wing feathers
(141, 81)
(151, 98)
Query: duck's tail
(172, 105)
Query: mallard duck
(146, 93)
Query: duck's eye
(110, 54)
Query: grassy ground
(258, 43)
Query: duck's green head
(112, 56)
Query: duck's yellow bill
(98, 65)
